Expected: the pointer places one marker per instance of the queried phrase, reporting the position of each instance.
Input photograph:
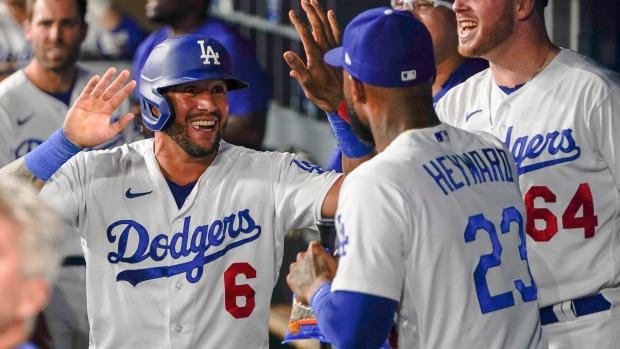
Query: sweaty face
(167, 11)
(483, 26)
(56, 32)
(201, 112)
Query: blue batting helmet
(177, 61)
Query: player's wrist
(47, 158)
(350, 145)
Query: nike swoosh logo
(131, 195)
(20, 122)
(472, 113)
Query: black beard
(178, 133)
(363, 132)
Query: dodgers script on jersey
(196, 277)
(28, 116)
(561, 129)
(440, 230)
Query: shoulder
(582, 71)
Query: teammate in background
(30, 239)
(432, 225)
(112, 34)
(557, 112)
(183, 234)
(248, 107)
(452, 68)
(33, 104)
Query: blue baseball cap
(385, 47)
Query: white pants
(594, 331)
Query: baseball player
(432, 226)
(557, 112)
(183, 234)
(33, 104)
(452, 68)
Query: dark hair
(81, 7)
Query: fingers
(298, 69)
(103, 83)
(310, 46)
(88, 89)
(120, 125)
(121, 95)
(326, 31)
(335, 28)
(116, 85)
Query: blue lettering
(494, 161)
(449, 172)
(560, 145)
(438, 177)
(203, 238)
(482, 166)
(455, 161)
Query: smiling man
(557, 112)
(183, 234)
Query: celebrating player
(432, 226)
(182, 234)
(557, 112)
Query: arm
(322, 84)
(87, 124)
(348, 319)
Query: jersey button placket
(179, 285)
(178, 328)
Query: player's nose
(205, 101)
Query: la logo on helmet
(208, 54)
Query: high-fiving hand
(88, 122)
(322, 83)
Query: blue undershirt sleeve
(351, 319)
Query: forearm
(353, 320)
(19, 169)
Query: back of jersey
(444, 229)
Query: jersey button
(502, 128)
(179, 328)
(179, 285)
(507, 106)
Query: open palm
(88, 122)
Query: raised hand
(322, 83)
(88, 122)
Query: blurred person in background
(30, 239)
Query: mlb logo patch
(442, 136)
(408, 75)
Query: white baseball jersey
(28, 115)
(561, 129)
(15, 51)
(435, 222)
(196, 277)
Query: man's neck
(175, 164)
(50, 81)
(516, 62)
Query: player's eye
(218, 89)
(190, 89)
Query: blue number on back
(487, 302)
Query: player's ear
(35, 294)
(525, 9)
(27, 28)
(84, 31)
(155, 111)
(358, 90)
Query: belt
(573, 309)
(73, 261)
